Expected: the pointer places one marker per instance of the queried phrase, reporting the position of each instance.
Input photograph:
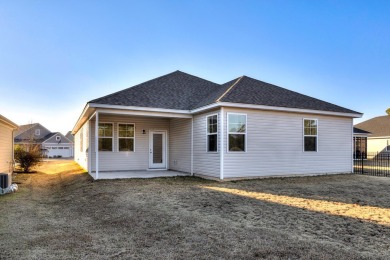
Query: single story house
(241, 129)
(378, 141)
(7, 128)
(51, 144)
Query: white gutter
(282, 109)
(164, 110)
(189, 113)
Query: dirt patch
(60, 212)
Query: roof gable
(27, 133)
(52, 139)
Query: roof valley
(229, 89)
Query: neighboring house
(51, 144)
(360, 143)
(7, 128)
(70, 138)
(379, 139)
(243, 128)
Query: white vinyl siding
(180, 144)
(275, 146)
(124, 161)
(6, 150)
(205, 163)
(80, 139)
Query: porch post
(97, 144)
(221, 145)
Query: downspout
(352, 149)
(13, 152)
(97, 144)
(221, 152)
(192, 146)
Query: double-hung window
(212, 133)
(105, 136)
(310, 135)
(126, 137)
(237, 132)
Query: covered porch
(135, 144)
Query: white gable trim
(8, 123)
(62, 136)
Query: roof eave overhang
(272, 108)
(8, 122)
(91, 108)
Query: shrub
(28, 157)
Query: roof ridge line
(230, 88)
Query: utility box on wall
(4, 180)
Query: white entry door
(157, 150)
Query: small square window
(37, 132)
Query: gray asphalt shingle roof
(179, 90)
(378, 126)
(360, 131)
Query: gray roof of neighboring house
(24, 128)
(179, 90)
(38, 140)
(70, 136)
(378, 126)
(360, 131)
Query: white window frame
(58, 138)
(112, 137)
(125, 137)
(303, 135)
(207, 133)
(229, 133)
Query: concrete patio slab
(137, 174)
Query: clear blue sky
(57, 55)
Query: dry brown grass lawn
(60, 213)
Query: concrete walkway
(137, 174)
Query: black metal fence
(376, 164)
